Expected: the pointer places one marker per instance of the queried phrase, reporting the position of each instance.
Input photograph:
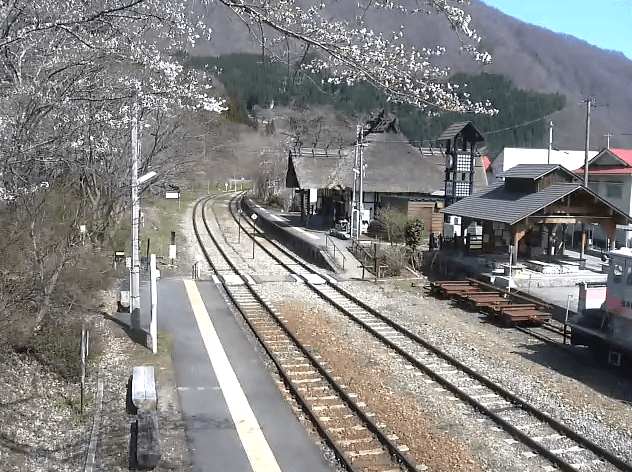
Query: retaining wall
(316, 254)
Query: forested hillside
(252, 82)
(532, 57)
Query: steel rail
(340, 456)
(595, 448)
(394, 451)
(541, 337)
(513, 399)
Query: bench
(438, 288)
(483, 295)
(492, 307)
(144, 395)
(148, 451)
(460, 291)
(524, 312)
(487, 301)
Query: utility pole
(355, 182)
(548, 159)
(135, 272)
(588, 102)
(608, 136)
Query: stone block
(148, 451)
(144, 395)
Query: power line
(528, 122)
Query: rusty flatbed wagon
(509, 307)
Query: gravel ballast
(568, 386)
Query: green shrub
(393, 220)
(413, 236)
(414, 233)
(61, 351)
(395, 258)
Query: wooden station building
(533, 208)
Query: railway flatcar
(607, 331)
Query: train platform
(555, 282)
(315, 237)
(235, 417)
(558, 286)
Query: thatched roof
(309, 168)
(391, 164)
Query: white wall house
(610, 175)
(511, 157)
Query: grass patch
(404, 287)
(168, 213)
(162, 359)
(165, 344)
(60, 351)
(73, 405)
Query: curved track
(544, 436)
(357, 441)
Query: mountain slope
(534, 58)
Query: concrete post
(153, 327)
(135, 269)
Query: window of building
(614, 190)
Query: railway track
(357, 441)
(541, 436)
(487, 300)
(551, 333)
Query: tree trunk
(44, 299)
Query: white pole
(135, 273)
(548, 160)
(360, 199)
(510, 257)
(84, 350)
(355, 182)
(568, 304)
(153, 327)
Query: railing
(367, 259)
(360, 252)
(327, 241)
(470, 242)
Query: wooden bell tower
(459, 143)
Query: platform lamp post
(254, 231)
(136, 181)
(239, 227)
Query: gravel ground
(34, 410)
(40, 433)
(568, 386)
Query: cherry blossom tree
(71, 71)
(354, 53)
